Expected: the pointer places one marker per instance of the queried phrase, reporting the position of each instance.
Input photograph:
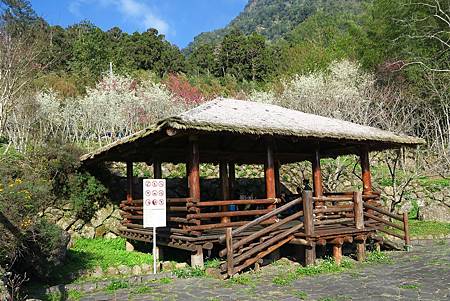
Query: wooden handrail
(234, 202)
(383, 211)
(262, 218)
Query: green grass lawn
(86, 254)
(423, 228)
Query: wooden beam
(317, 174)
(365, 170)
(129, 181)
(225, 185)
(232, 178)
(194, 169)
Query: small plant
(74, 295)
(243, 279)
(212, 263)
(378, 257)
(409, 286)
(285, 279)
(165, 280)
(142, 289)
(189, 272)
(301, 295)
(326, 266)
(115, 285)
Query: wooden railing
(250, 249)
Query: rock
(136, 270)
(112, 271)
(112, 224)
(53, 214)
(101, 215)
(389, 190)
(100, 231)
(181, 265)
(68, 206)
(66, 222)
(129, 247)
(87, 231)
(167, 266)
(110, 235)
(77, 225)
(435, 212)
(116, 214)
(213, 272)
(146, 268)
(97, 272)
(124, 270)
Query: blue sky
(179, 20)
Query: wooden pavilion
(229, 132)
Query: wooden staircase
(250, 249)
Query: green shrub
(87, 194)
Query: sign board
(154, 193)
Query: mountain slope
(274, 18)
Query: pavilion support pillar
(317, 174)
(197, 258)
(157, 169)
(277, 178)
(308, 223)
(129, 181)
(225, 185)
(194, 169)
(232, 178)
(269, 172)
(365, 170)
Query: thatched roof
(252, 118)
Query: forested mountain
(274, 18)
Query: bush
(87, 194)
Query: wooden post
(232, 178)
(406, 230)
(337, 253)
(225, 185)
(277, 178)
(317, 174)
(230, 253)
(129, 181)
(157, 170)
(194, 170)
(310, 252)
(365, 170)
(270, 175)
(359, 224)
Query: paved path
(421, 274)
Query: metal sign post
(154, 192)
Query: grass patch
(301, 295)
(116, 285)
(409, 286)
(325, 266)
(165, 280)
(378, 257)
(212, 263)
(242, 279)
(141, 289)
(423, 228)
(189, 272)
(74, 295)
(87, 254)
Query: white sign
(154, 203)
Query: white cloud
(136, 11)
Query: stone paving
(421, 274)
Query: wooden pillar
(358, 211)
(270, 174)
(129, 181)
(365, 170)
(157, 170)
(230, 252)
(337, 252)
(194, 170)
(232, 178)
(308, 222)
(277, 178)
(225, 185)
(406, 231)
(317, 174)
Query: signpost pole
(155, 257)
